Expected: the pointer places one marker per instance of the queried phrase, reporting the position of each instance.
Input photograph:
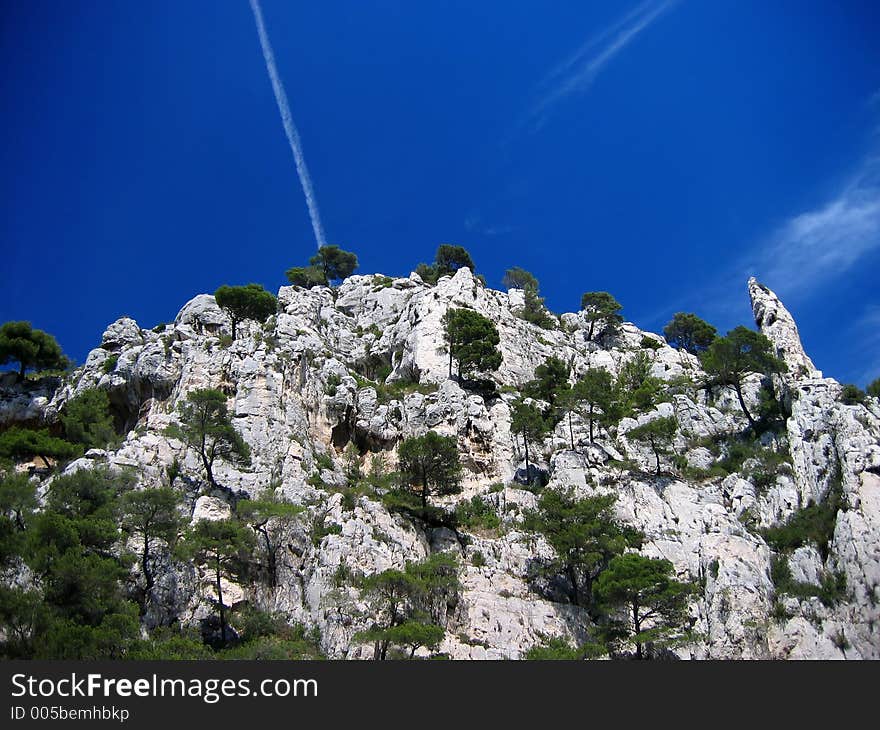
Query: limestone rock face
(774, 321)
(337, 378)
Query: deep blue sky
(661, 151)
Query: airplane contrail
(289, 127)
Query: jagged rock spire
(777, 324)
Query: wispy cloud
(577, 73)
(809, 249)
(820, 244)
(475, 224)
(866, 331)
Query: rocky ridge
(304, 385)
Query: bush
(476, 513)
(333, 382)
(87, 420)
(321, 528)
(324, 462)
(812, 524)
(398, 390)
(25, 443)
(830, 591)
(852, 395)
(553, 649)
(109, 365)
(768, 465)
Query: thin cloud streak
(289, 127)
(823, 243)
(867, 331)
(577, 73)
(806, 251)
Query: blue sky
(663, 151)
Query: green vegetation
(517, 278)
(430, 465)
(658, 434)
(637, 390)
(477, 513)
(447, 260)
(873, 388)
(224, 546)
(533, 310)
(812, 525)
(593, 397)
(334, 263)
(406, 605)
(26, 443)
(76, 608)
(550, 381)
(331, 263)
(205, 425)
(742, 351)
(270, 518)
(398, 390)
(648, 603)
(79, 605)
(382, 282)
(553, 649)
(324, 461)
(86, 419)
(306, 276)
(830, 591)
(30, 348)
(245, 302)
(18, 501)
(852, 395)
(472, 340)
(528, 422)
(733, 453)
(583, 533)
(151, 516)
(688, 332)
(603, 310)
(333, 382)
(109, 365)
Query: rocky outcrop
(365, 365)
(775, 322)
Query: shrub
(324, 462)
(852, 395)
(476, 513)
(830, 591)
(87, 420)
(554, 649)
(333, 381)
(812, 524)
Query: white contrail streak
(289, 127)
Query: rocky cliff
(320, 375)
